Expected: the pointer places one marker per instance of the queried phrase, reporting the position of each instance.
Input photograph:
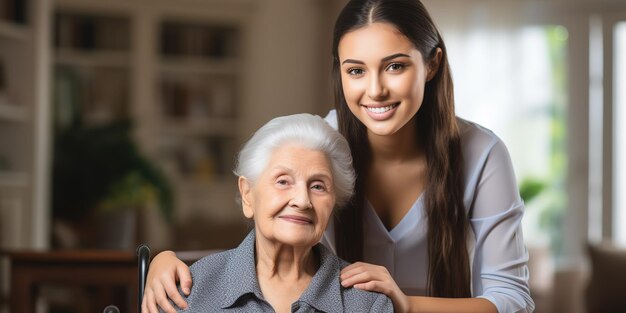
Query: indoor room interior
(120, 119)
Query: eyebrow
(322, 176)
(316, 176)
(385, 59)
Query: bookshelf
(197, 114)
(198, 105)
(15, 39)
(23, 140)
(91, 68)
(174, 70)
(192, 144)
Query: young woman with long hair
(435, 222)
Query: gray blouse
(498, 256)
(227, 282)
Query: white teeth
(382, 109)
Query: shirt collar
(324, 290)
(242, 279)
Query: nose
(300, 198)
(376, 89)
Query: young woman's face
(294, 197)
(383, 77)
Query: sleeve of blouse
(500, 271)
(331, 118)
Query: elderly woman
(292, 174)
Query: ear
(433, 65)
(245, 190)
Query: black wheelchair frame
(143, 259)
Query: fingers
(185, 279)
(164, 272)
(358, 277)
(360, 267)
(360, 272)
(367, 277)
(144, 305)
(149, 303)
(375, 278)
(171, 291)
(377, 286)
(161, 299)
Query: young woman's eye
(395, 67)
(355, 71)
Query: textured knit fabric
(496, 244)
(227, 282)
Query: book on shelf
(197, 40)
(91, 32)
(94, 95)
(13, 11)
(200, 159)
(198, 99)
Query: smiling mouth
(380, 110)
(296, 219)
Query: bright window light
(619, 136)
(513, 81)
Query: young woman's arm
(499, 257)
(164, 272)
(437, 305)
(376, 278)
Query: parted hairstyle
(301, 130)
(437, 130)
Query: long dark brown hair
(437, 129)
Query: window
(513, 81)
(619, 132)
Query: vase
(117, 230)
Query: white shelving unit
(181, 69)
(30, 61)
(23, 137)
(96, 59)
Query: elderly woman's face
(293, 198)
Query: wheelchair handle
(143, 253)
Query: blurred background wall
(117, 113)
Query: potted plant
(98, 173)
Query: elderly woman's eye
(282, 182)
(318, 187)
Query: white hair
(304, 130)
